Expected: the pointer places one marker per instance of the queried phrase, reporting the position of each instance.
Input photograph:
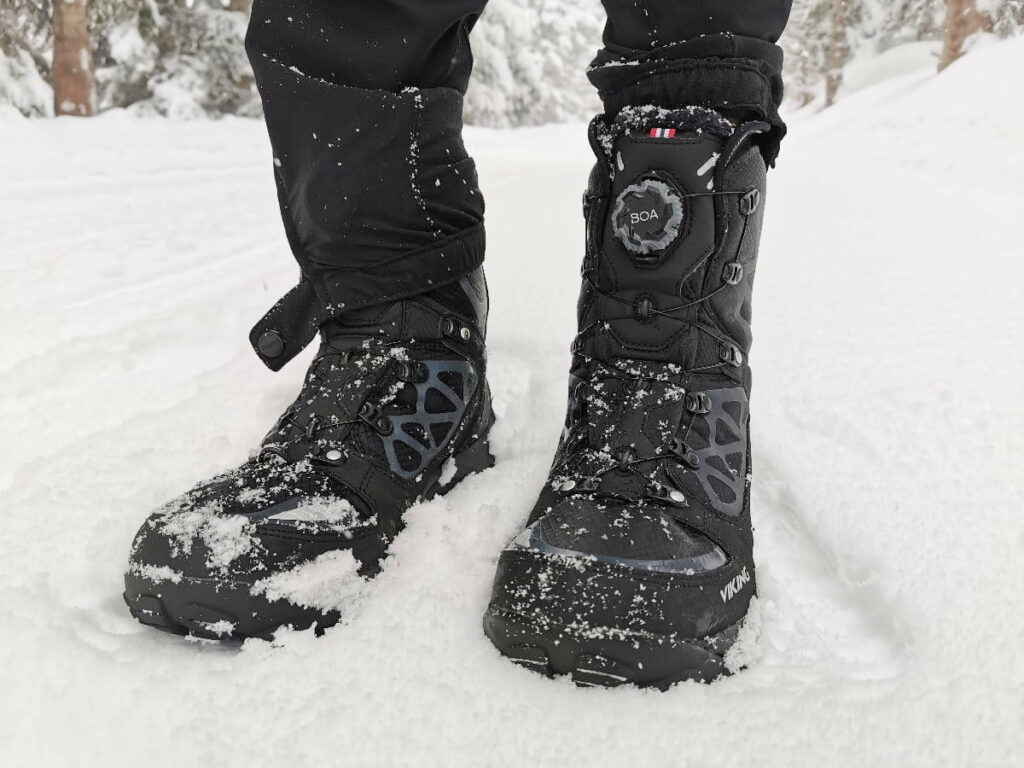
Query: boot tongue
(661, 200)
(662, 166)
(658, 233)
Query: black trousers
(363, 103)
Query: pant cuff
(293, 322)
(738, 76)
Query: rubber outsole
(215, 609)
(604, 658)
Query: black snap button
(270, 344)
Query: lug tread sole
(600, 659)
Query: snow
(330, 582)
(887, 472)
(448, 471)
(871, 68)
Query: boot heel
(473, 458)
(476, 457)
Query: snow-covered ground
(889, 468)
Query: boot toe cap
(631, 569)
(246, 524)
(633, 536)
(205, 563)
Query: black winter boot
(395, 408)
(636, 563)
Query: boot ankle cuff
(740, 87)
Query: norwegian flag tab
(662, 133)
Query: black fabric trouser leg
(363, 103)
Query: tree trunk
(239, 5)
(963, 19)
(837, 50)
(73, 87)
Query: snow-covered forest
(185, 58)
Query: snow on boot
(395, 408)
(636, 563)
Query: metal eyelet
(644, 309)
(731, 354)
(374, 419)
(733, 273)
(412, 370)
(656, 490)
(750, 202)
(625, 454)
(686, 454)
(697, 402)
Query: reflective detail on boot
(278, 511)
(722, 469)
(648, 216)
(418, 437)
(314, 515)
(530, 539)
(709, 166)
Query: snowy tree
(26, 33)
(531, 59)
(1007, 17)
(179, 57)
(173, 57)
(822, 36)
(963, 19)
(816, 55)
(913, 20)
(186, 57)
(838, 51)
(72, 74)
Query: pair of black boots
(636, 563)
